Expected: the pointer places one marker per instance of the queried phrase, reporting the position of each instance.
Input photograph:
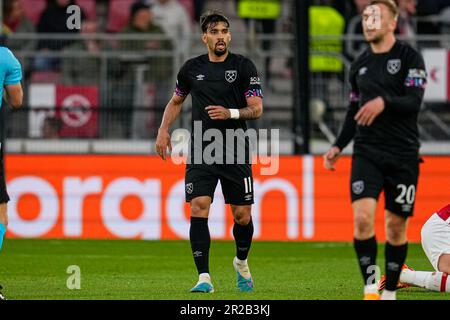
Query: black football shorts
(236, 181)
(4, 198)
(398, 178)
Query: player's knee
(243, 219)
(396, 231)
(199, 208)
(242, 216)
(363, 223)
(395, 237)
(444, 263)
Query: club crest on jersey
(394, 65)
(230, 75)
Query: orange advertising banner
(142, 197)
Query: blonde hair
(391, 4)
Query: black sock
(366, 250)
(243, 237)
(395, 258)
(200, 243)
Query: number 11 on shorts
(248, 184)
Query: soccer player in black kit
(226, 91)
(388, 82)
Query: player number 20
(407, 194)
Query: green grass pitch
(37, 269)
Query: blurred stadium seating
(89, 8)
(118, 14)
(131, 98)
(33, 8)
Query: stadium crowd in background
(15, 20)
(157, 75)
(88, 72)
(174, 18)
(53, 20)
(178, 19)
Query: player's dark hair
(391, 4)
(211, 19)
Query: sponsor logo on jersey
(417, 73)
(231, 75)
(200, 77)
(358, 187)
(394, 66)
(255, 81)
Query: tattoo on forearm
(249, 113)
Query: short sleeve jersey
(10, 69)
(228, 84)
(10, 74)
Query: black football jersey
(399, 77)
(228, 84)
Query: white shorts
(435, 239)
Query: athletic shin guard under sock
(395, 258)
(366, 251)
(243, 237)
(200, 243)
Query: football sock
(389, 295)
(366, 251)
(371, 288)
(204, 277)
(200, 243)
(2, 234)
(395, 258)
(434, 281)
(243, 237)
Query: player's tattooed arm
(253, 111)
